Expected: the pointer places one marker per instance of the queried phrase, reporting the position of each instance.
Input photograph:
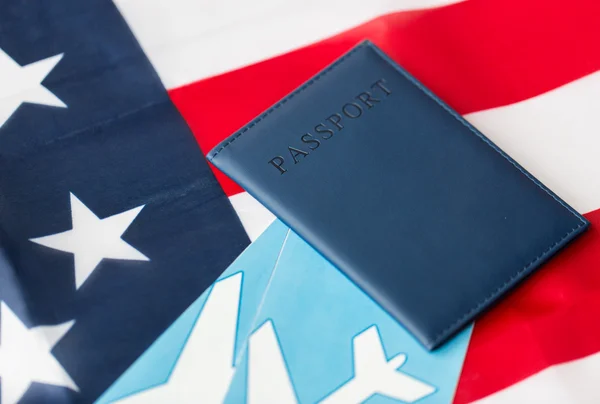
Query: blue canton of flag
(111, 222)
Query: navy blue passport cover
(399, 192)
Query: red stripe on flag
(475, 55)
(552, 318)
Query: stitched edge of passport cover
(512, 280)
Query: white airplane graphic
(205, 366)
(269, 380)
(268, 377)
(374, 374)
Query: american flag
(111, 222)
(90, 143)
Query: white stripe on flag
(571, 382)
(188, 40)
(253, 215)
(556, 137)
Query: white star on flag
(93, 239)
(25, 356)
(19, 84)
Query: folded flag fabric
(317, 337)
(111, 222)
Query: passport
(400, 193)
